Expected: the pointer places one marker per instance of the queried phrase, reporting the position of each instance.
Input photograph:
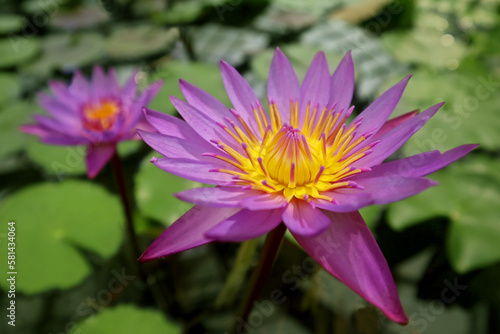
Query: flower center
(100, 116)
(304, 162)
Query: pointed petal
(282, 84)
(376, 190)
(396, 137)
(218, 196)
(392, 123)
(64, 113)
(342, 84)
(377, 113)
(170, 125)
(187, 232)
(130, 88)
(302, 219)
(100, 85)
(57, 126)
(206, 127)
(199, 171)
(421, 164)
(315, 88)
(348, 251)
(80, 87)
(97, 157)
(241, 95)
(245, 225)
(173, 147)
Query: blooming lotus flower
(300, 164)
(96, 113)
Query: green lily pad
(204, 76)
(17, 50)
(11, 117)
(213, 42)
(67, 52)
(469, 115)
(182, 12)
(58, 160)
(9, 87)
(154, 190)
(10, 23)
(53, 221)
(126, 319)
(468, 196)
(428, 47)
(140, 41)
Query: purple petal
(198, 171)
(282, 84)
(203, 125)
(396, 137)
(79, 87)
(245, 225)
(62, 112)
(241, 95)
(264, 201)
(100, 87)
(218, 196)
(130, 89)
(342, 84)
(187, 232)
(57, 126)
(377, 113)
(376, 190)
(97, 157)
(146, 96)
(392, 123)
(170, 125)
(348, 251)
(315, 88)
(173, 147)
(421, 164)
(301, 218)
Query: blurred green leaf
(134, 42)
(468, 195)
(127, 319)
(468, 116)
(13, 115)
(67, 52)
(10, 23)
(427, 47)
(54, 221)
(154, 189)
(57, 160)
(182, 12)
(17, 50)
(10, 87)
(204, 76)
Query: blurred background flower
(442, 246)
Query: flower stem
(122, 189)
(260, 274)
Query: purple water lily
(96, 113)
(300, 163)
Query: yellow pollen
(100, 116)
(299, 162)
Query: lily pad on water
(53, 222)
(127, 319)
(13, 115)
(10, 87)
(10, 23)
(67, 52)
(468, 196)
(154, 189)
(17, 50)
(140, 41)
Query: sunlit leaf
(53, 222)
